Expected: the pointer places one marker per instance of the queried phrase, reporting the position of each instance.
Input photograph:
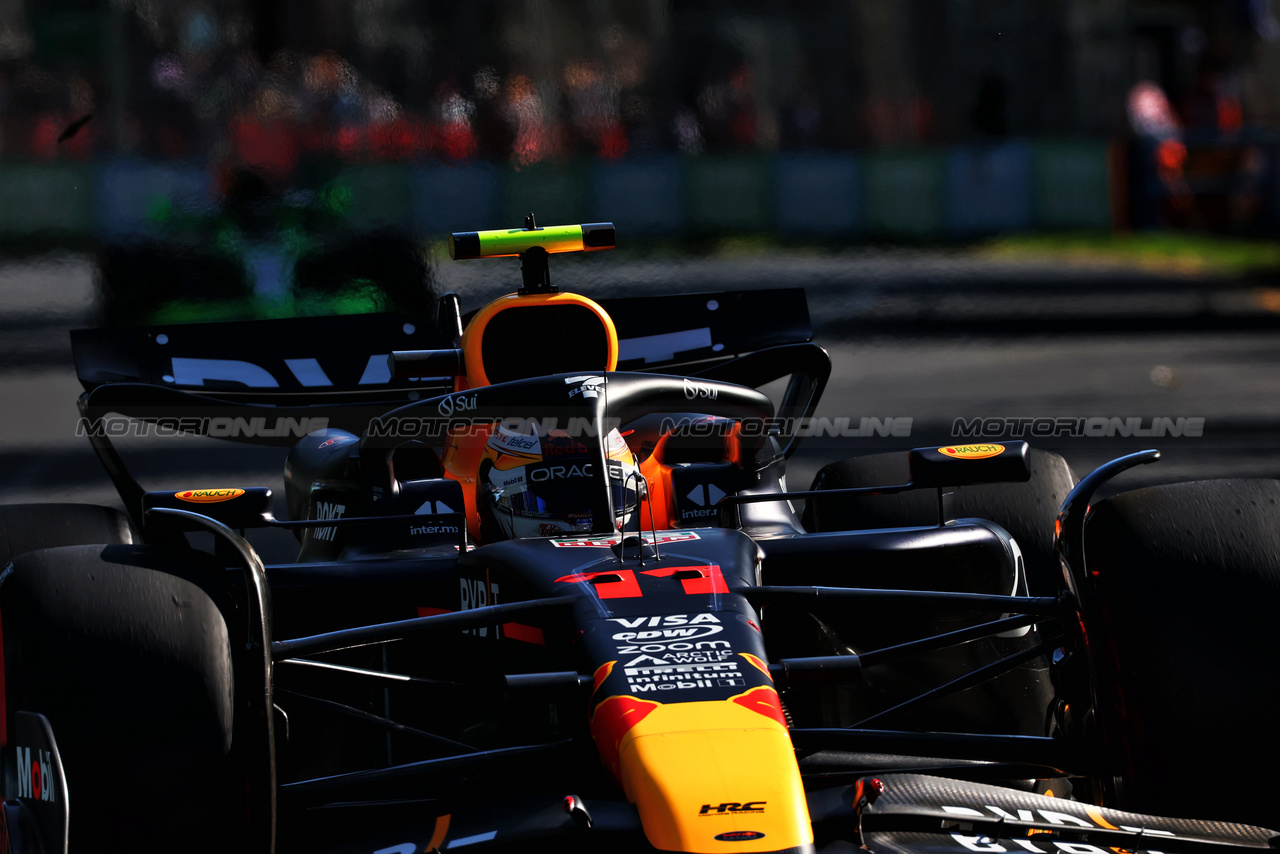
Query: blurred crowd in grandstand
(278, 86)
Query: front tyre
(127, 652)
(1188, 588)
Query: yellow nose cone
(717, 776)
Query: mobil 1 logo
(33, 774)
(33, 769)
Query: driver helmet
(536, 483)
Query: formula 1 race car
(552, 594)
(261, 254)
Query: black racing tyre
(28, 527)
(1188, 590)
(127, 652)
(1025, 510)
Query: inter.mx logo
(35, 774)
(706, 496)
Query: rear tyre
(128, 654)
(28, 527)
(1188, 588)
(1025, 510)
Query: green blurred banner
(1071, 185)
(915, 195)
(54, 199)
(554, 194)
(729, 193)
(133, 197)
(454, 198)
(818, 194)
(644, 196)
(989, 189)
(375, 195)
(905, 194)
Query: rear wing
(665, 334)
(335, 361)
(270, 382)
(295, 361)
